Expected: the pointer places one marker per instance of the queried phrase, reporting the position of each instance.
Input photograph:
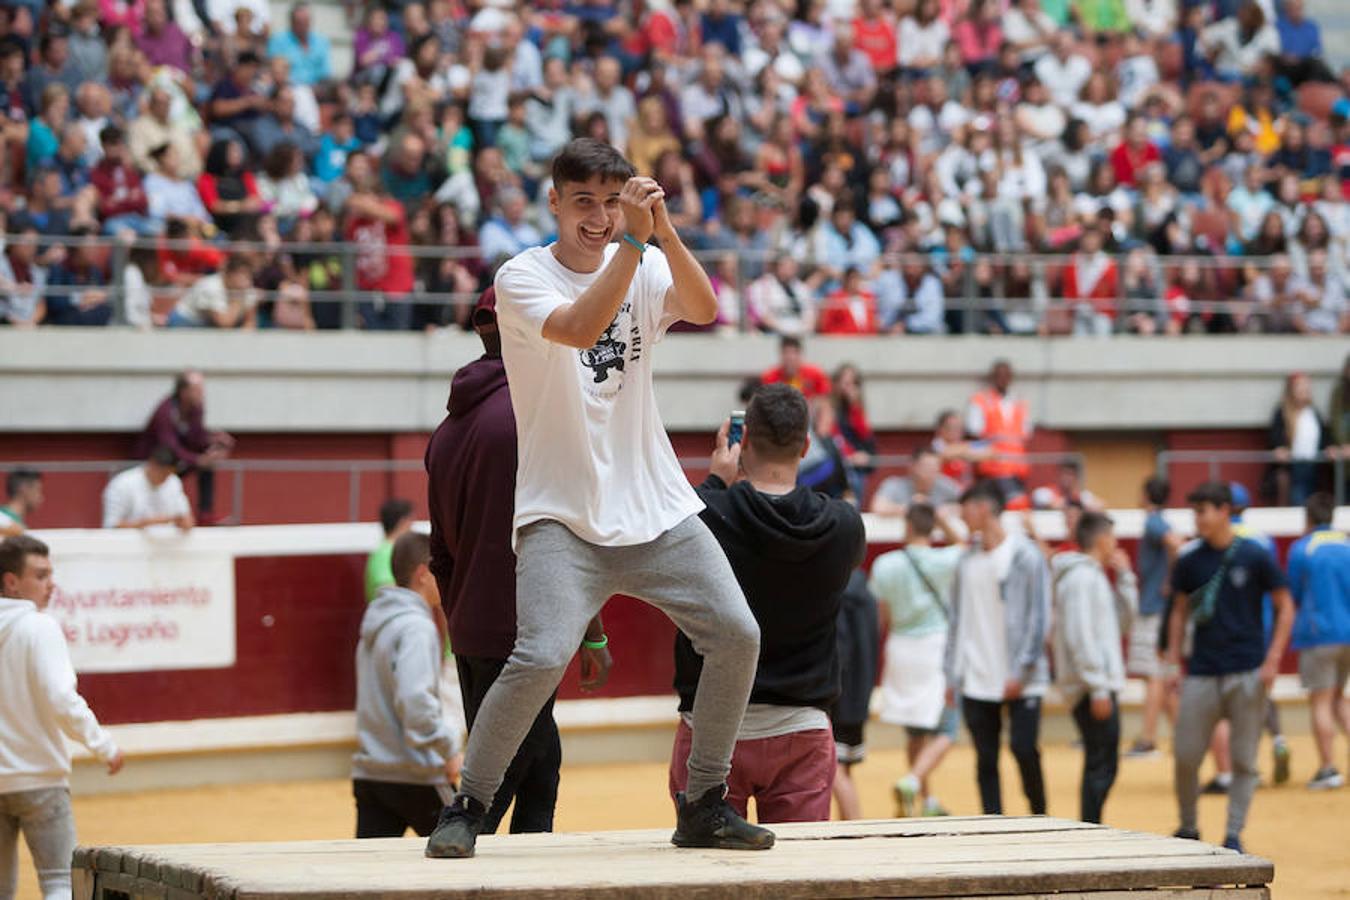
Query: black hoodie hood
(788, 527)
(475, 383)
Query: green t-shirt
(1103, 15)
(1058, 10)
(8, 515)
(379, 569)
(914, 610)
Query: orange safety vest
(1006, 436)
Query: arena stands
(1051, 167)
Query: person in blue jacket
(1319, 579)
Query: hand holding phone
(737, 427)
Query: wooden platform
(980, 857)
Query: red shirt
(1102, 293)
(377, 269)
(119, 189)
(1128, 162)
(876, 38)
(811, 381)
(845, 313)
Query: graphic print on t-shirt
(608, 353)
(618, 349)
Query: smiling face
(588, 215)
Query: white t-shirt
(594, 454)
(983, 640)
(130, 497)
(1303, 443)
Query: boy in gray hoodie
(404, 763)
(995, 657)
(1091, 614)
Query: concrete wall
(107, 379)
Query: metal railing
(357, 470)
(969, 298)
(1215, 460)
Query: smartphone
(737, 427)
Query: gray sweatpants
(45, 818)
(1205, 699)
(562, 581)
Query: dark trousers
(206, 486)
(985, 721)
(532, 778)
(387, 809)
(1101, 756)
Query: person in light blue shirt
(509, 233)
(845, 243)
(308, 51)
(911, 300)
(337, 143)
(1319, 579)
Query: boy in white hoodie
(38, 703)
(1091, 614)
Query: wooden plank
(1162, 894)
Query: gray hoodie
(1090, 617)
(400, 732)
(1026, 614)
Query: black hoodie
(471, 487)
(792, 555)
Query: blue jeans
(144, 226)
(385, 315)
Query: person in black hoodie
(792, 550)
(471, 478)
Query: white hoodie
(38, 702)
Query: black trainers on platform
(710, 821)
(457, 830)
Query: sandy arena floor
(1302, 831)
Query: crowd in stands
(848, 166)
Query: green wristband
(641, 249)
(596, 645)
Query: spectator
(925, 483)
(23, 491)
(336, 145)
(1029, 30)
(1092, 613)
(1001, 420)
(226, 189)
(1091, 284)
(40, 707)
(508, 233)
(147, 495)
(224, 299)
(407, 170)
(88, 52)
(43, 131)
(284, 187)
(874, 33)
(911, 300)
(156, 127)
(978, 36)
(169, 195)
(377, 47)
(1158, 548)
(377, 224)
(995, 657)
(235, 106)
(178, 423)
(850, 309)
(1319, 579)
(307, 50)
(1237, 46)
(1099, 109)
(823, 467)
(122, 203)
(849, 72)
(791, 369)
(407, 756)
(781, 302)
(396, 520)
(279, 125)
(52, 66)
(921, 39)
(1063, 71)
(88, 303)
(162, 41)
(23, 277)
(711, 95)
(1322, 308)
(853, 431)
(1298, 436)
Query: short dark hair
(920, 518)
(181, 380)
(110, 135)
(789, 341)
(1215, 493)
(1090, 526)
(586, 158)
(777, 421)
(14, 553)
(1321, 509)
(1157, 489)
(1071, 465)
(393, 511)
(163, 455)
(986, 491)
(924, 450)
(19, 479)
(410, 551)
(944, 416)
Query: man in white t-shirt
(995, 657)
(602, 506)
(149, 494)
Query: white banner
(160, 608)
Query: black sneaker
(1187, 834)
(1233, 842)
(1215, 787)
(457, 830)
(710, 821)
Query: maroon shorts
(790, 776)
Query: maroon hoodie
(471, 488)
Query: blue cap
(1241, 498)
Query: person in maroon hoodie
(122, 202)
(179, 423)
(471, 481)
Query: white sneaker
(1327, 779)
